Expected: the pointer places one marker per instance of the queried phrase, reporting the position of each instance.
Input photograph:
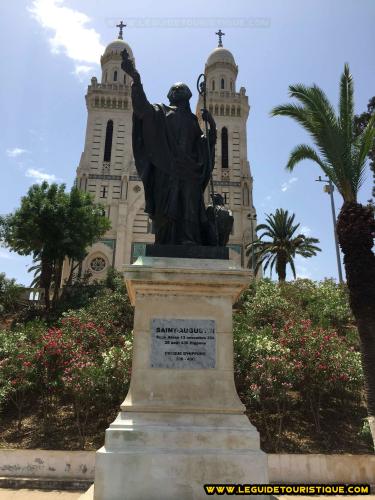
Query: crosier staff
(202, 90)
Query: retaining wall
(283, 468)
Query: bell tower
(107, 169)
(232, 177)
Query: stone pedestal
(182, 424)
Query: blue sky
(51, 48)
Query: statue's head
(179, 93)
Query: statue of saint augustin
(171, 157)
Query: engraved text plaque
(183, 343)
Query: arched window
(216, 112)
(238, 111)
(227, 110)
(231, 85)
(108, 141)
(222, 83)
(115, 76)
(222, 110)
(224, 148)
(211, 109)
(245, 200)
(124, 78)
(233, 111)
(213, 85)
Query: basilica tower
(107, 169)
(232, 177)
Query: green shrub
(18, 371)
(325, 303)
(328, 367)
(266, 306)
(110, 307)
(10, 295)
(84, 359)
(329, 306)
(94, 385)
(273, 365)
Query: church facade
(107, 169)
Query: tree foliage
(360, 123)
(10, 295)
(52, 225)
(340, 152)
(283, 245)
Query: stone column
(182, 424)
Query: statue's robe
(171, 157)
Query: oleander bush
(303, 362)
(84, 361)
(297, 368)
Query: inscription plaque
(183, 343)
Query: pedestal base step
(172, 456)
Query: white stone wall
(282, 468)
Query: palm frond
(292, 266)
(346, 105)
(364, 145)
(299, 113)
(337, 152)
(305, 152)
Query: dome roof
(117, 46)
(219, 55)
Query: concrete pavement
(24, 494)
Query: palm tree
(341, 153)
(283, 245)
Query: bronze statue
(172, 159)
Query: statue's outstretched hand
(128, 65)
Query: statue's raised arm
(129, 67)
(141, 106)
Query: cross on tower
(220, 35)
(121, 26)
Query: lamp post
(252, 217)
(329, 188)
